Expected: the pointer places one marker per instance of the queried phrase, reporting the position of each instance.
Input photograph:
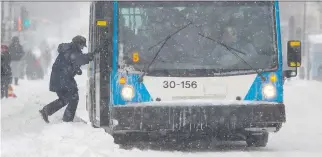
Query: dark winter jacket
(5, 66)
(66, 66)
(16, 51)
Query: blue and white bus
(188, 70)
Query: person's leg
(6, 87)
(71, 107)
(16, 80)
(15, 68)
(3, 89)
(54, 106)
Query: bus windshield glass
(246, 26)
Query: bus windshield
(245, 26)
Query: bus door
(92, 69)
(102, 42)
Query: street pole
(3, 25)
(304, 47)
(61, 30)
(10, 29)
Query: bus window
(251, 23)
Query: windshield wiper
(159, 50)
(227, 47)
(222, 44)
(200, 27)
(230, 49)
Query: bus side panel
(280, 76)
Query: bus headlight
(127, 92)
(269, 91)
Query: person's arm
(79, 59)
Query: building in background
(7, 21)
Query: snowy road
(24, 134)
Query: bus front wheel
(257, 140)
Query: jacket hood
(64, 47)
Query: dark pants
(4, 89)
(15, 80)
(69, 98)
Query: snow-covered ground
(24, 134)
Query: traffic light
(26, 23)
(25, 18)
(19, 24)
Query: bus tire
(120, 139)
(257, 140)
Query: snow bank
(75, 139)
(24, 133)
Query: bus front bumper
(149, 117)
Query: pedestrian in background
(6, 75)
(16, 53)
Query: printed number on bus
(182, 84)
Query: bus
(183, 71)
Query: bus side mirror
(294, 53)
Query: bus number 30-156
(183, 84)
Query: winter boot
(44, 115)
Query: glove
(90, 56)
